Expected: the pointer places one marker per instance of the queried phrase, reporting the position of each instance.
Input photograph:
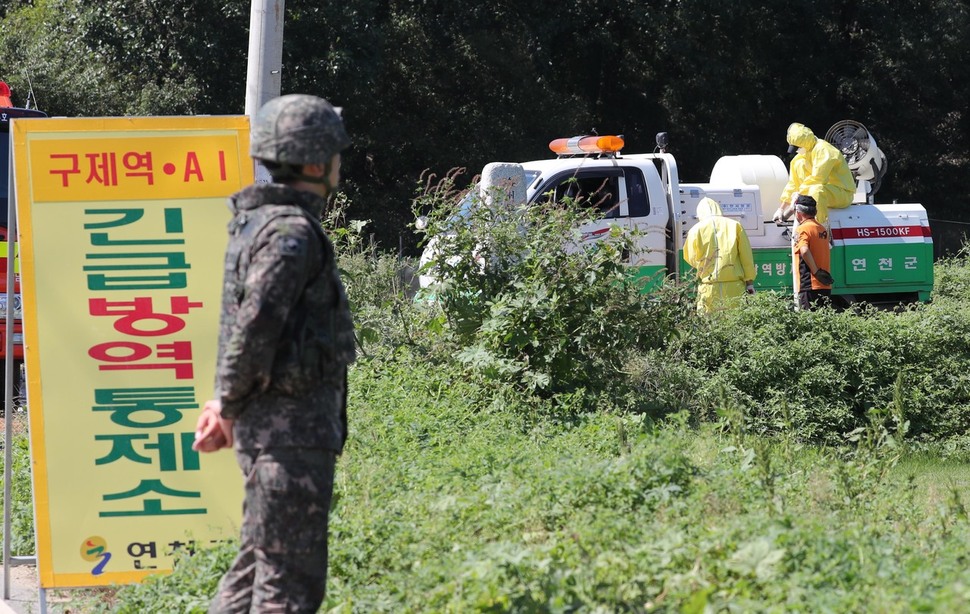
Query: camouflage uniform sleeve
(275, 279)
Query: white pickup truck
(880, 253)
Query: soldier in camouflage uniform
(286, 339)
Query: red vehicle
(12, 300)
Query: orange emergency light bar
(587, 145)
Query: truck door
(648, 217)
(622, 196)
(600, 189)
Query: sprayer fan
(852, 139)
(864, 157)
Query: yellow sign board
(123, 228)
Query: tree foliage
(429, 84)
(178, 56)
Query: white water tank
(768, 173)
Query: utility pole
(265, 60)
(265, 53)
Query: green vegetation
(22, 505)
(760, 460)
(525, 302)
(451, 499)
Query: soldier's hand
(212, 431)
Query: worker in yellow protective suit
(798, 169)
(718, 249)
(818, 170)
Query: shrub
(529, 300)
(380, 285)
(821, 374)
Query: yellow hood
(801, 136)
(707, 208)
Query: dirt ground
(25, 594)
(19, 419)
(24, 591)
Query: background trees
(434, 84)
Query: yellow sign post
(122, 230)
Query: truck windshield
(470, 199)
(5, 116)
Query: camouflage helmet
(297, 129)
